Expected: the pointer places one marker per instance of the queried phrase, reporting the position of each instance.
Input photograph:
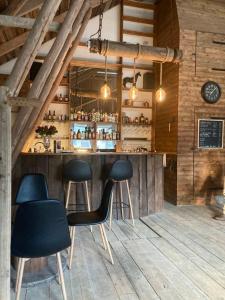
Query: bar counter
(146, 186)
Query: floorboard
(173, 255)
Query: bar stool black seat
(41, 229)
(77, 171)
(33, 186)
(121, 171)
(97, 217)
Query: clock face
(211, 92)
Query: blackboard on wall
(210, 133)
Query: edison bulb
(133, 92)
(105, 91)
(160, 94)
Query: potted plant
(46, 132)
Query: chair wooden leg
(111, 212)
(17, 274)
(68, 194)
(107, 244)
(59, 278)
(72, 247)
(61, 275)
(130, 202)
(20, 278)
(88, 198)
(103, 239)
(121, 200)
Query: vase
(46, 142)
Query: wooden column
(31, 46)
(5, 194)
(45, 70)
(54, 79)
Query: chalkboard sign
(210, 133)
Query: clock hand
(213, 91)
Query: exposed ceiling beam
(26, 23)
(29, 7)
(14, 7)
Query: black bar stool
(33, 186)
(41, 229)
(77, 171)
(97, 217)
(121, 172)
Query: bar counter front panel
(146, 186)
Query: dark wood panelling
(146, 186)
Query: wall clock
(211, 92)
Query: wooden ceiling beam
(31, 46)
(55, 77)
(14, 7)
(46, 68)
(25, 23)
(30, 6)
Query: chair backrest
(32, 187)
(77, 170)
(40, 229)
(121, 170)
(106, 200)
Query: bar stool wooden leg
(121, 200)
(111, 212)
(61, 275)
(72, 247)
(17, 274)
(59, 278)
(68, 194)
(20, 278)
(88, 199)
(103, 239)
(130, 203)
(107, 243)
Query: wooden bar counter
(146, 186)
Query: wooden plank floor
(176, 254)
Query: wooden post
(31, 46)
(52, 83)
(123, 49)
(5, 194)
(39, 82)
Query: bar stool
(121, 172)
(77, 171)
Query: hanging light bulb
(105, 90)
(160, 93)
(133, 92)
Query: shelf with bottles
(139, 89)
(93, 116)
(52, 117)
(91, 133)
(136, 107)
(54, 137)
(136, 121)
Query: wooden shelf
(136, 107)
(56, 121)
(136, 4)
(53, 138)
(94, 140)
(139, 89)
(138, 20)
(60, 102)
(93, 122)
(139, 33)
(137, 124)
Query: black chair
(32, 187)
(97, 217)
(40, 229)
(77, 171)
(121, 171)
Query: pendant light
(133, 92)
(105, 90)
(160, 93)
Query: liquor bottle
(100, 135)
(49, 116)
(142, 119)
(54, 116)
(86, 133)
(79, 116)
(82, 135)
(114, 135)
(93, 135)
(71, 133)
(71, 114)
(118, 135)
(66, 98)
(103, 134)
(78, 134)
(75, 116)
(60, 97)
(89, 133)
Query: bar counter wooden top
(146, 185)
(94, 153)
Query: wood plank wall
(199, 173)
